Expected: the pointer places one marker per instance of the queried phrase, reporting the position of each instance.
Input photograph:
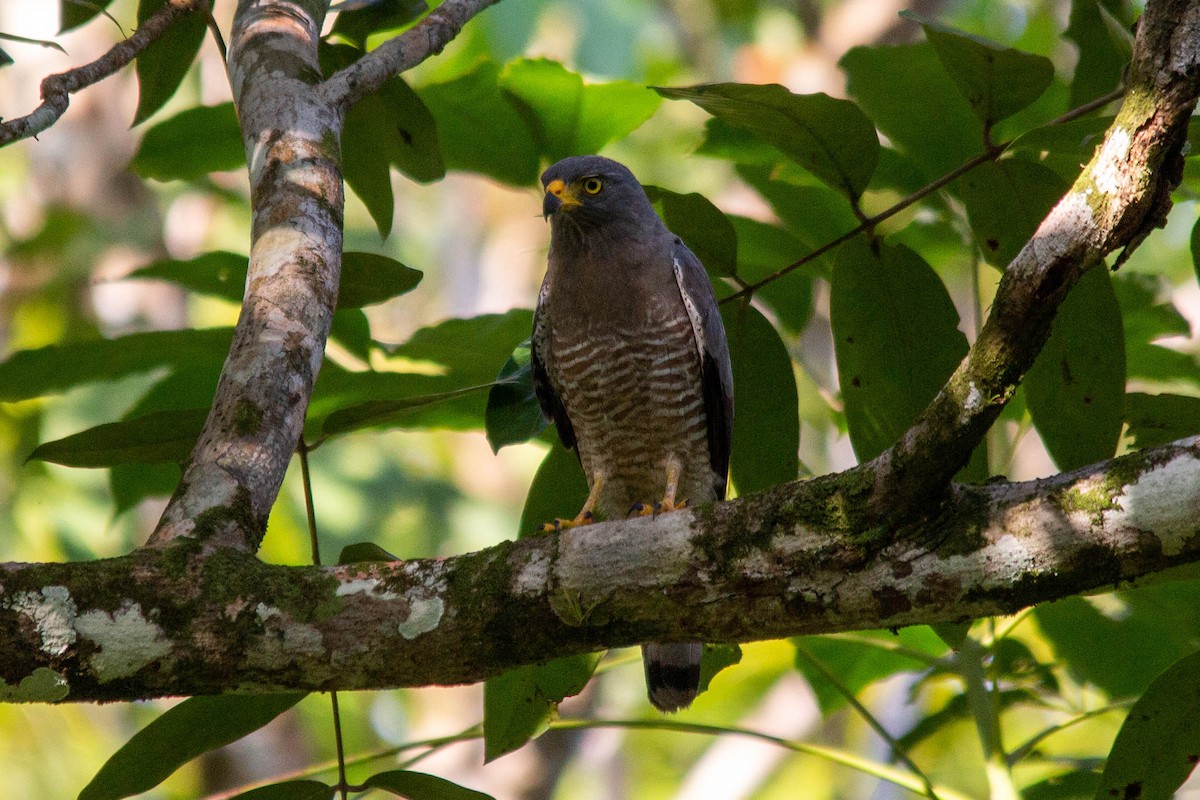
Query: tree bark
(163, 622)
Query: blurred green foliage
(835, 356)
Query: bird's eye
(593, 185)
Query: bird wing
(543, 390)
(716, 376)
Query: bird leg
(584, 516)
(668, 502)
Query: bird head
(593, 191)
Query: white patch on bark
(127, 640)
(283, 639)
(1151, 503)
(371, 586)
(424, 614)
(530, 580)
(1107, 174)
(973, 404)
(43, 685)
(53, 613)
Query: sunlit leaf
(831, 138)
(896, 338)
(1158, 746)
(513, 414)
(1006, 201)
(161, 66)
(715, 659)
(171, 150)
(766, 427)
(156, 438)
(569, 116)
(1075, 390)
(196, 726)
(420, 786)
(54, 368)
(857, 663)
(940, 132)
(996, 81)
(480, 129)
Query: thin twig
(57, 88)
(873, 221)
(310, 513)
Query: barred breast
(634, 398)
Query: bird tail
(672, 674)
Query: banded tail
(672, 674)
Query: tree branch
(425, 39)
(162, 622)
(1122, 194)
(291, 138)
(57, 88)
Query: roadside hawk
(631, 364)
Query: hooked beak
(558, 195)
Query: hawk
(630, 362)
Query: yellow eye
(593, 185)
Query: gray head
(593, 196)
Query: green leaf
(1071, 786)
(763, 249)
(9, 37)
(420, 786)
(715, 659)
(381, 15)
(1006, 201)
(831, 138)
(813, 214)
(940, 132)
(517, 704)
(57, 367)
(1146, 319)
(1159, 744)
(364, 159)
(766, 427)
(1075, 390)
(289, 790)
(858, 664)
(217, 274)
(364, 551)
(5, 59)
(559, 489)
(1077, 138)
(196, 726)
(171, 150)
(513, 414)
(157, 438)
(896, 338)
(1156, 419)
(370, 278)
(1105, 47)
(454, 363)
(352, 331)
(480, 129)
(162, 65)
(570, 117)
(1093, 637)
(367, 278)
(704, 229)
(996, 81)
(1195, 248)
(73, 13)
(132, 483)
